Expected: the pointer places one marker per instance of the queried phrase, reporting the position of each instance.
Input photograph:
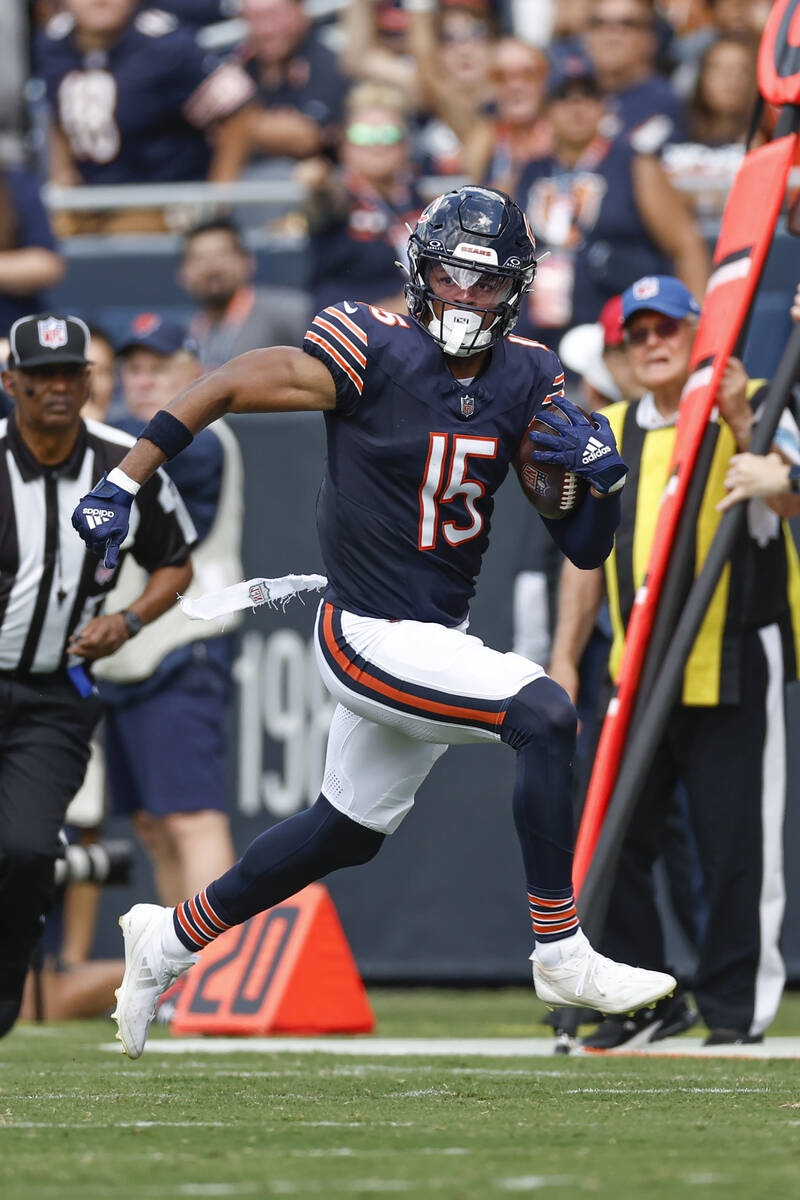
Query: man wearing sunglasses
(725, 741)
(424, 413)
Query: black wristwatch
(133, 622)
(794, 480)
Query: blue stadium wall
(445, 899)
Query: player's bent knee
(542, 709)
(344, 841)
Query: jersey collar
(649, 418)
(30, 468)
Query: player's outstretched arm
(280, 379)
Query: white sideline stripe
(777, 1047)
(116, 1125)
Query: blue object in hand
(585, 446)
(101, 519)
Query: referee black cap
(46, 339)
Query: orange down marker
(286, 970)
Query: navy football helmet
(477, 241)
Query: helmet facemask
(459, 325)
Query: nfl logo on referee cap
(47, 339)
(52, 332)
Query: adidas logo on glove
(97, 516)
(594, 450)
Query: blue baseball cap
(149, 331)
(659, 293)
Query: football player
(423, 414)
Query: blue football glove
(587, 448)
(101, 519)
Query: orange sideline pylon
(286, 970)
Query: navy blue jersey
(586, 215)
(648, 115)
(137, 112)
(310, 81)
(414, 459)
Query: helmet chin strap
(456, 325)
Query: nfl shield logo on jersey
(52, 333)
(467, 406)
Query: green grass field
(80, 1123)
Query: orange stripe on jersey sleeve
(340, 337)
(328, 348)
(351, 325)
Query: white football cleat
(586, 979)
(148, 973)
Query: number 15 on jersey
(433, 491)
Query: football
(552, 490)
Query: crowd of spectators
(124, 92)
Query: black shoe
(11, 997)
(733, 1037)
(671, 1016)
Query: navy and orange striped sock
(553, 914)
(197, 923)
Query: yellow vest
(649, 455)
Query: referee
(52, 592)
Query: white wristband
(121, 480)
(419, 6)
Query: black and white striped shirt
(50, 584)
